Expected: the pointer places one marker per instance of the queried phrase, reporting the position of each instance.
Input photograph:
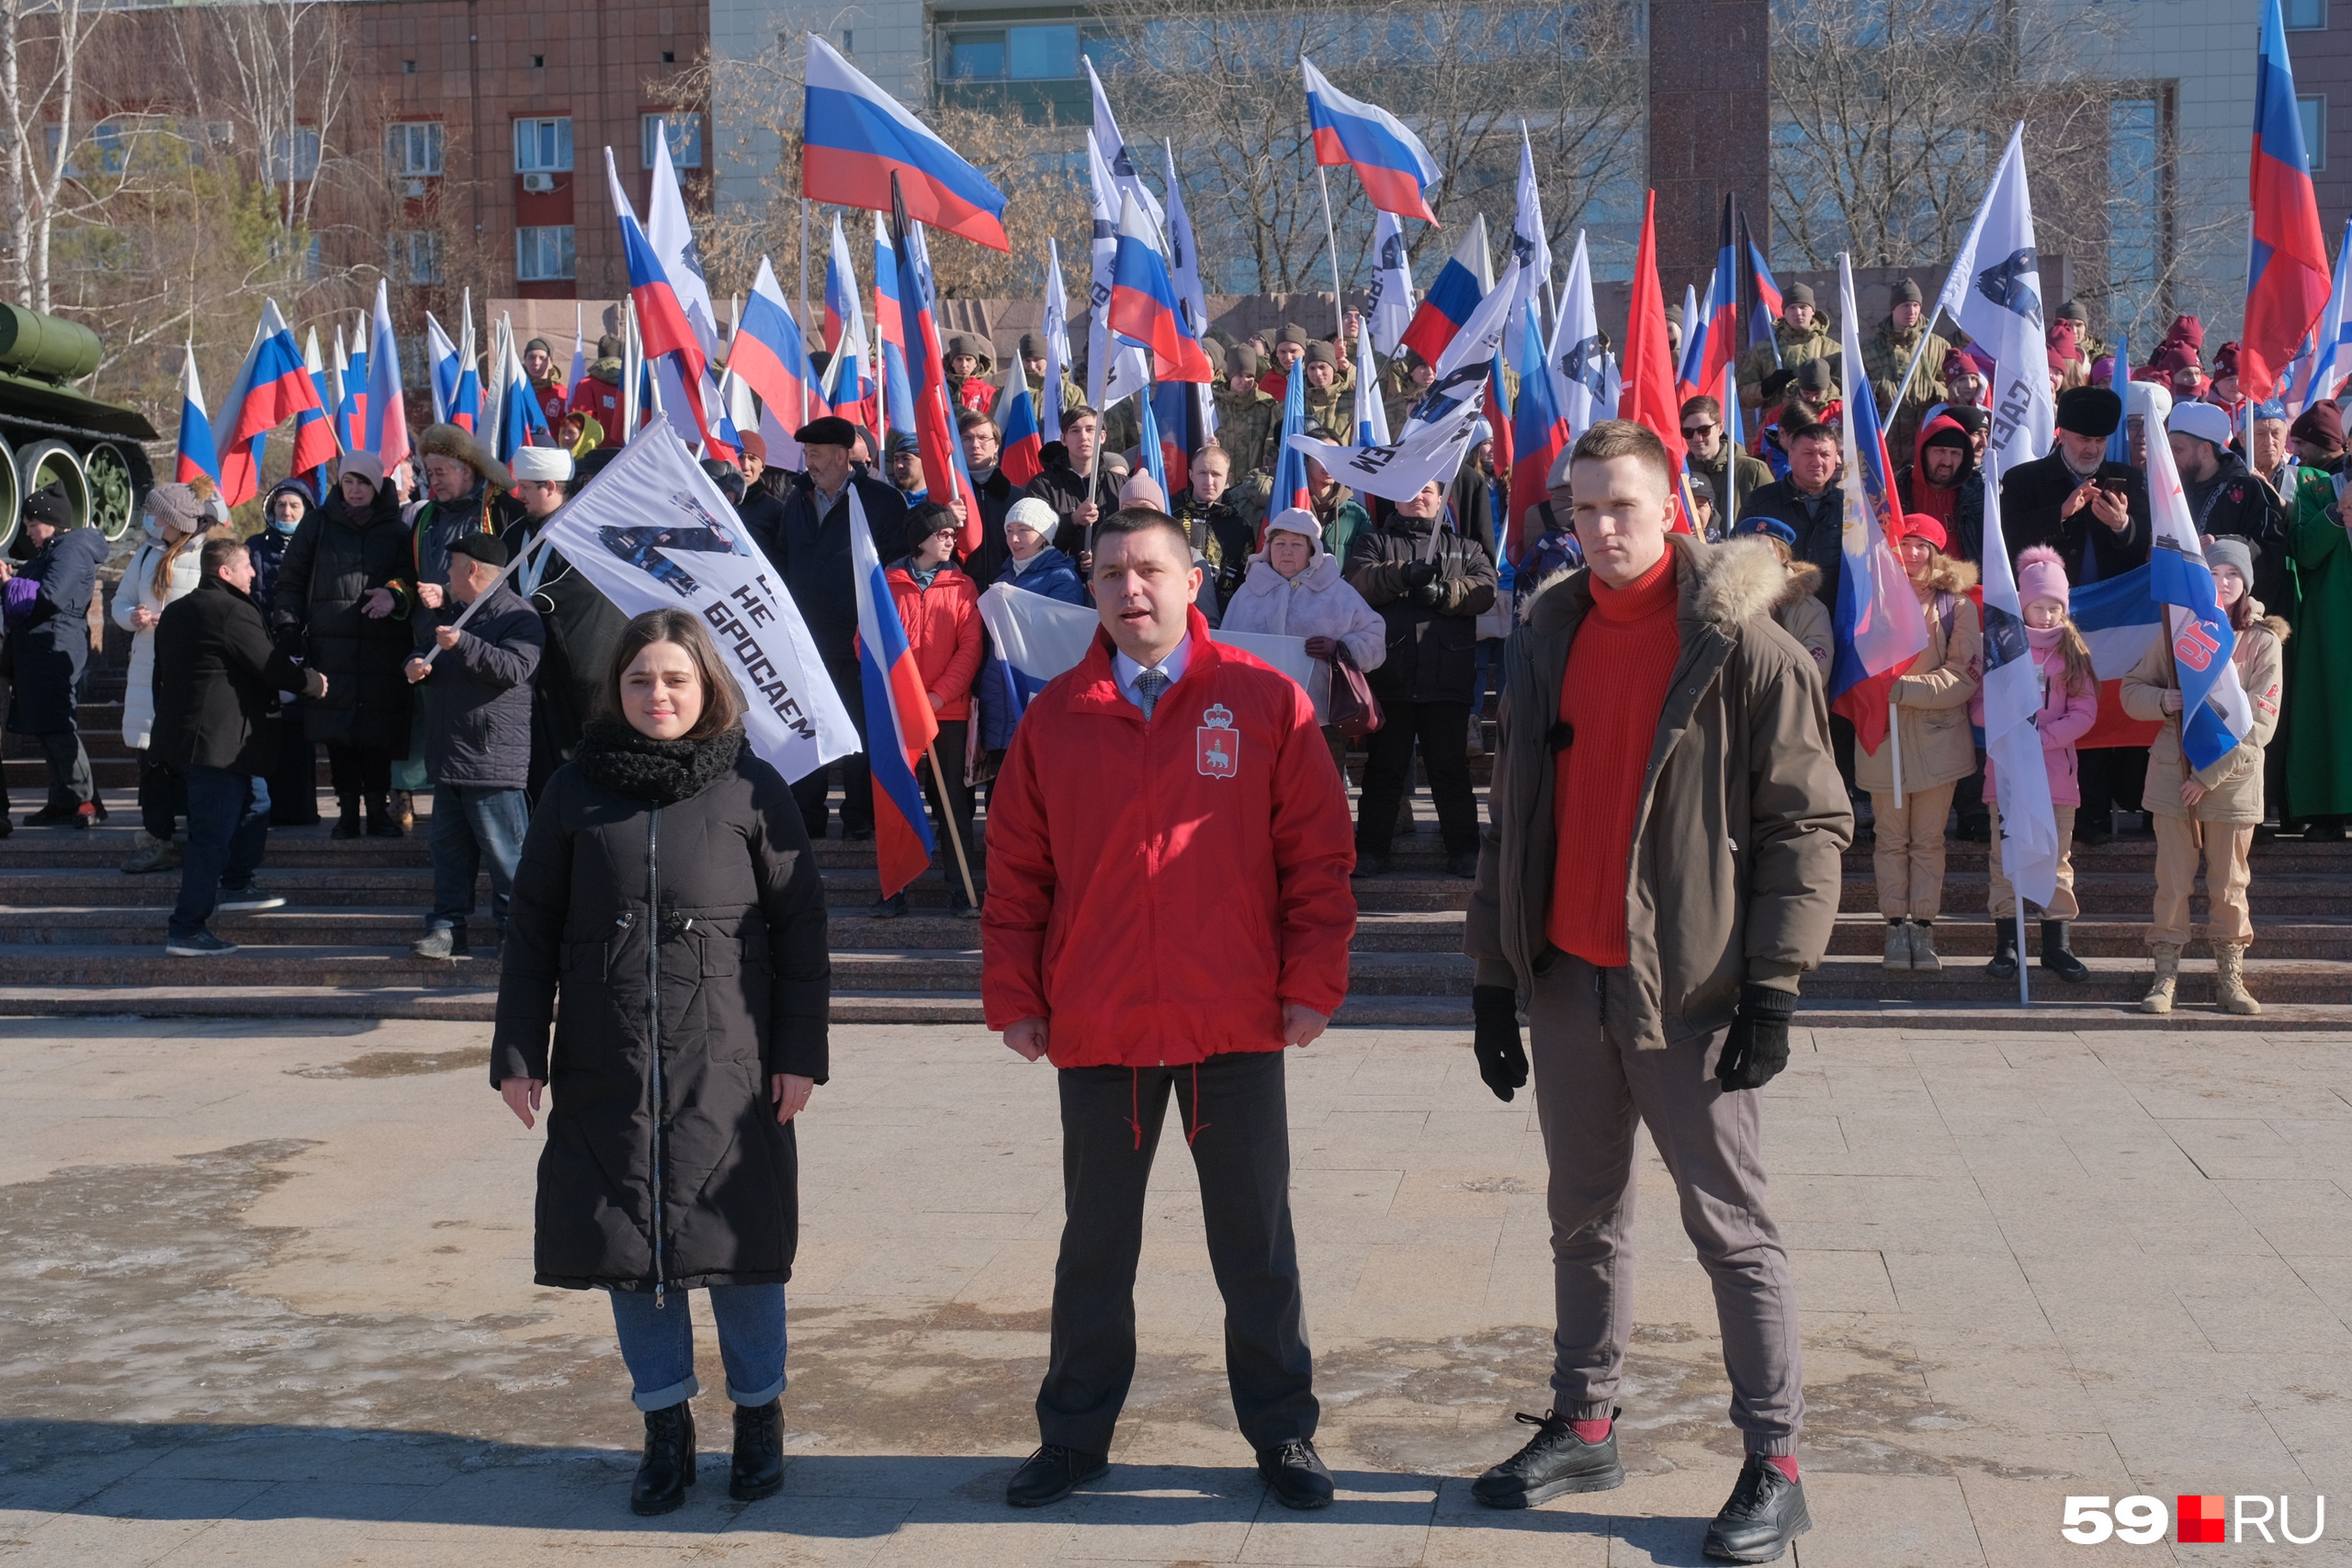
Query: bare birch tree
(42, 47)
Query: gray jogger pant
(1591, 1086)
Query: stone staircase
(78, 936)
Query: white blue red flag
(1019, 442)
(841, 289)
(1396, 169)
(1877, 629)
(1993, 291)
(329, 393)
(1542, 433)
(2215, 716)
(578, 370)
(1290, 463)
(900, 723)
(465, 406)
(895, 402)
(441, 367)
(2287, 274)
(662, 324)
(1114, 369)
(353, 411)
(1143, 307)
(2329, 362)
(197, 453)
(273, 386)
(854, 137)
(2120, 620)
(521, 422)
(935, 428)
(1690, 370)
(770, 356)
(1452, 295)
(2012, 693)
(1056, 331)
(387, 412)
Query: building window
(1043, 53)
(2306, 15)
(414, 147)
(416, 255)
(543, 256)
(293, 155)
(2314, 108)
(543, 146)
(686, 139)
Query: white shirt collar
(1125, 669)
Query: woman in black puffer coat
(345, 592)
(667, 892)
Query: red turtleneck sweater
(1619, 670)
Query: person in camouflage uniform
(1888, 350)
(1804, 332)
(1328, 402)
(1245, 417)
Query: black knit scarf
(659, 773)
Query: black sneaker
(1052, 1473)
(1294, 1473)
(53, 816)
(1766, 1511)
(891, 909)
(1370, 866)
(249, 897)
(1554, 1462)
(203, 944)
(1464, 864)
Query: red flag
(1649, 396)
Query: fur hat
(2042, 574)
(2089, 411)
(458, 443)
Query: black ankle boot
(668, 1467)
(346, 822)
(2059, 958)
(759, 1452)
(381, 823)
(2005, 951)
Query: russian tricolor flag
(351, 412)
(1768, 294)
(1396, 169)
(1021, 444)
(1452, 297)
(899, 723)
(2287, 275)
(896, 404)
(1541, 423)
(521, 422)
(1878, 629)
(385, 412)
(768, 353)
(197, 453)
(1143, 304)
(934, 425)
(1289, 464)
(661, 324)
(841, 289)
(2215, 716)
(2118, 619)
(854, 137)
(1689, 372)
(273, 387)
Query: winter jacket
(137, 591)
(2066, 716)
(1931, 697)
(1887, 352)
(598, 396)
(583, 627)
(997, 494)
(2319, 739)
(1342, 516)
(942, 624)
(1049, 572)
(1432, 649)
(2031, 494)
(2232, 785)
(687, 940)
(1733, 876)
(478, 731)
(1797, 347)
(268, 546)
(49, 641)
(1064, 489)
(438, 524)
(336, 559)
(1801, 614)
(1317, 603)
(1960, 508)
(1246, 426)
(1749, 475)
(1158, 892)
(216, 682)
(2239, 505)
(812, 554)
(1219, 537)
(1820, 523)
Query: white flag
(2030, 848)
(1437, 436)
(651, 532)
(1528, 242)
(1995, 293)
(1392, 283)
(672, 236)
(1577, 351)
(1112, 370)
(1119, 158)
(1056, 331)
(1372, 409)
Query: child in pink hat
(2069, 707)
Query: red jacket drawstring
(1197, 1123)
(1135, 1104)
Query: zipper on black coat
(653, 1026)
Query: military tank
(51, 434)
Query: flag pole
(1894, 743)
(2025, 996)
(947, 819)
(804, 301)
(539, 542)
(1331, 236)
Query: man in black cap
(478, 741)
(1889, 349)
(906, 469)
(1802, 334)
(969, 364)
(810, 548)
(1327, 404)
(49, 644)
(538, 365)
(1245, 417)
(2095, 514)
(1033, 367)
(1290, 348)
(2076, 502)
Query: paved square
(267, 1300)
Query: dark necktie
(1148, 686)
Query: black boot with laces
(1554, 1462)
(668, 1467)
(1765, 1513)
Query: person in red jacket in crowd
(599, 394)
(939, 607)
(1169, 852)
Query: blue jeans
(470, 825)
(657, 1343)
(228, 827)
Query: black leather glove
(1430, 593)
(1758, 1047)
(1502, 1060)
(1418, 574)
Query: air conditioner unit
(415, 190)
(541, 183)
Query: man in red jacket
(1167, 907)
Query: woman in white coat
(1293, 589)
(164, 569)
